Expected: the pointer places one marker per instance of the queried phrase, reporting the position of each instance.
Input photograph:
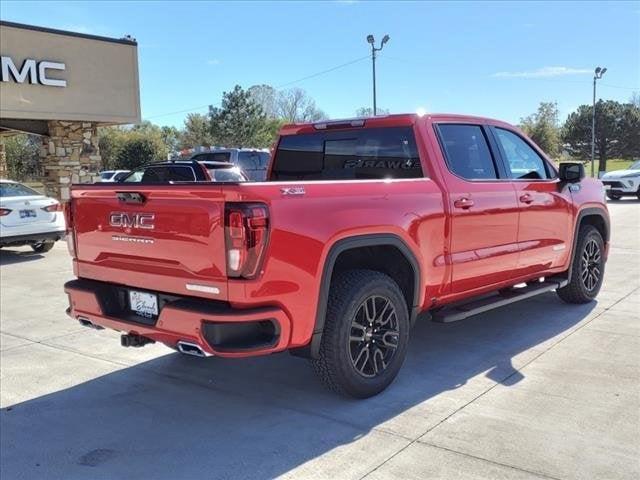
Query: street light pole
(371, 41)
(598, 73)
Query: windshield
(15, 190)
(635, 166)
(161, 174)
(227, 175)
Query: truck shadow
(9, 257)
(180, 417)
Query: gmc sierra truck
(362, 226)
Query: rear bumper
(216, 327)
(31, 238)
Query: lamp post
(371, 41)
(597, 75)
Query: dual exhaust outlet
(133, 340)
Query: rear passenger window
(248, 160)
(368, 153)
(522, 160)
(162, 174)
(467, 152)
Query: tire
(42, 247)
(612, 196)
(587, 261)
(360, 300)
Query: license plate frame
(143, 304)
(28, 213)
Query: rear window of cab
(362, 154)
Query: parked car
(113, 175)
(363, 225)
(29, 218)
(253, 162)
(623, 183)
(186, 171)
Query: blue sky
(497, 59)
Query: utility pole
(371, 41)
(597, 75)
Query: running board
(460, 311)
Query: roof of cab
(391, 120)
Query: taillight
(67, 208)
(4, 211)
(56, 207)
(246, 231)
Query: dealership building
(62, 86)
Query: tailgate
(152, 237)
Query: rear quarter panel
(304, 228)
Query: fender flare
(313, 348)
(586, 212)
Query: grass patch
(612, 164)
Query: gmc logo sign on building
(31, 71)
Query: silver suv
(253, 162)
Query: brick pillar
(3, 160)
(70, 154)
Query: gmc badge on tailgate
(132, 220)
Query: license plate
(607, 187)
(143, 304)
(27, 213)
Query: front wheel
(365, 335)
(42, 247)
(587, 267)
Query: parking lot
(539, 389)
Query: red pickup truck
(361, 226)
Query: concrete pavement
(539, 389)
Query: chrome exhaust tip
(189, 348)
(85, 322)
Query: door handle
(463, 202)
(526, 198)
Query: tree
(630, 135)
(368, 111)
(269, 132)
(139, 150)
(197, 131)
(239, 122)
(22, 156)
(611, 132)
(171, 137)
(294, 105)
(543, 128)
(111, 140)
(265, 96)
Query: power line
(313, 75)
(323, 72)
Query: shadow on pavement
(8, 257)
(180, 417)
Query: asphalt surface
(538, 389)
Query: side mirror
(571, 172)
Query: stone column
(70, 154)
(3, 160)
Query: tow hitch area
(133, 340)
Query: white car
(113, 175)
(621, 183)
(29, 218)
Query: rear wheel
(42, 247)
(587, 267)
(613, 196)
(365, 334)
